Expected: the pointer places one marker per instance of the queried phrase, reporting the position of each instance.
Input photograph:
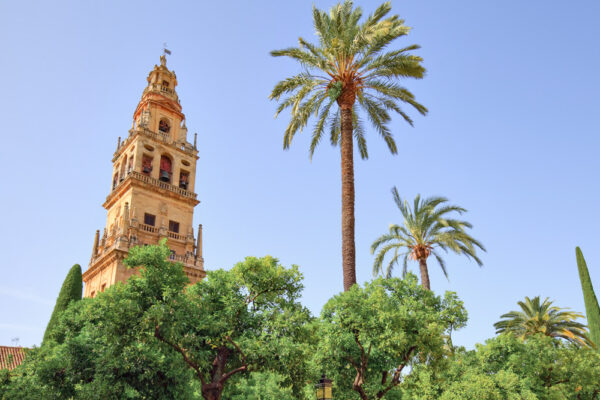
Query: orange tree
(349, 68)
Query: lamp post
(323, 388)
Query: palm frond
(352, 52)
(426, 228)
(304, 58)
(537, 317)
(359, 136)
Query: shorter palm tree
(426, 230)
(546, 319)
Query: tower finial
(163, 58)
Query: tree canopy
(69, 291)
(508, 368)
(371, 337)
(155, 337)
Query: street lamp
(323, 388)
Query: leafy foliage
(237, 321)
(260, 386)
(425, 229)
(542, 317)
(592, 309)
(507, 368)
(106, 352)
(371, 337)
(156, 338)
(69, 291)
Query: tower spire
(163, 58)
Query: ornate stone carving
(163, 209)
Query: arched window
(166, 169)
(130, 165)
(164, 126)
(184, 179)
(146, 165)
(122, 173)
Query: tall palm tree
(544, 318)
(348, 66)
(425, 230)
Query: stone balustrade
(176, 236)
(148, 228)
(163, 185)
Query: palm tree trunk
(348, 247)
(424, 273)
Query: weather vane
(165, 50)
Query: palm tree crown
(544, 318)
(425, 230)
(349, 64)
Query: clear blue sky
(512, 136)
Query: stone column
(95, 247)
(176, 169)
(199, 243)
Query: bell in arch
(164, 176)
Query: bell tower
(152, 192)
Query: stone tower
(152, 193)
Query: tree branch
(232, 372)
(243, 367)
(181, 351)
(237, 348)
(361, 392)
(396, 378)
(360, 371)
(353, 364)
(250, 298)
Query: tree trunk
(211, 394)
(424, 273)
(348, 247)
(214, 389)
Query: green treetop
(349, 73)
(541, 317)
(372, 337)
(70, 291)
(238, 321)
(592, 309)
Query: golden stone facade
(152, 189)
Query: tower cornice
(182, 147)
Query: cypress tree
(592, 309)
(70, 291)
